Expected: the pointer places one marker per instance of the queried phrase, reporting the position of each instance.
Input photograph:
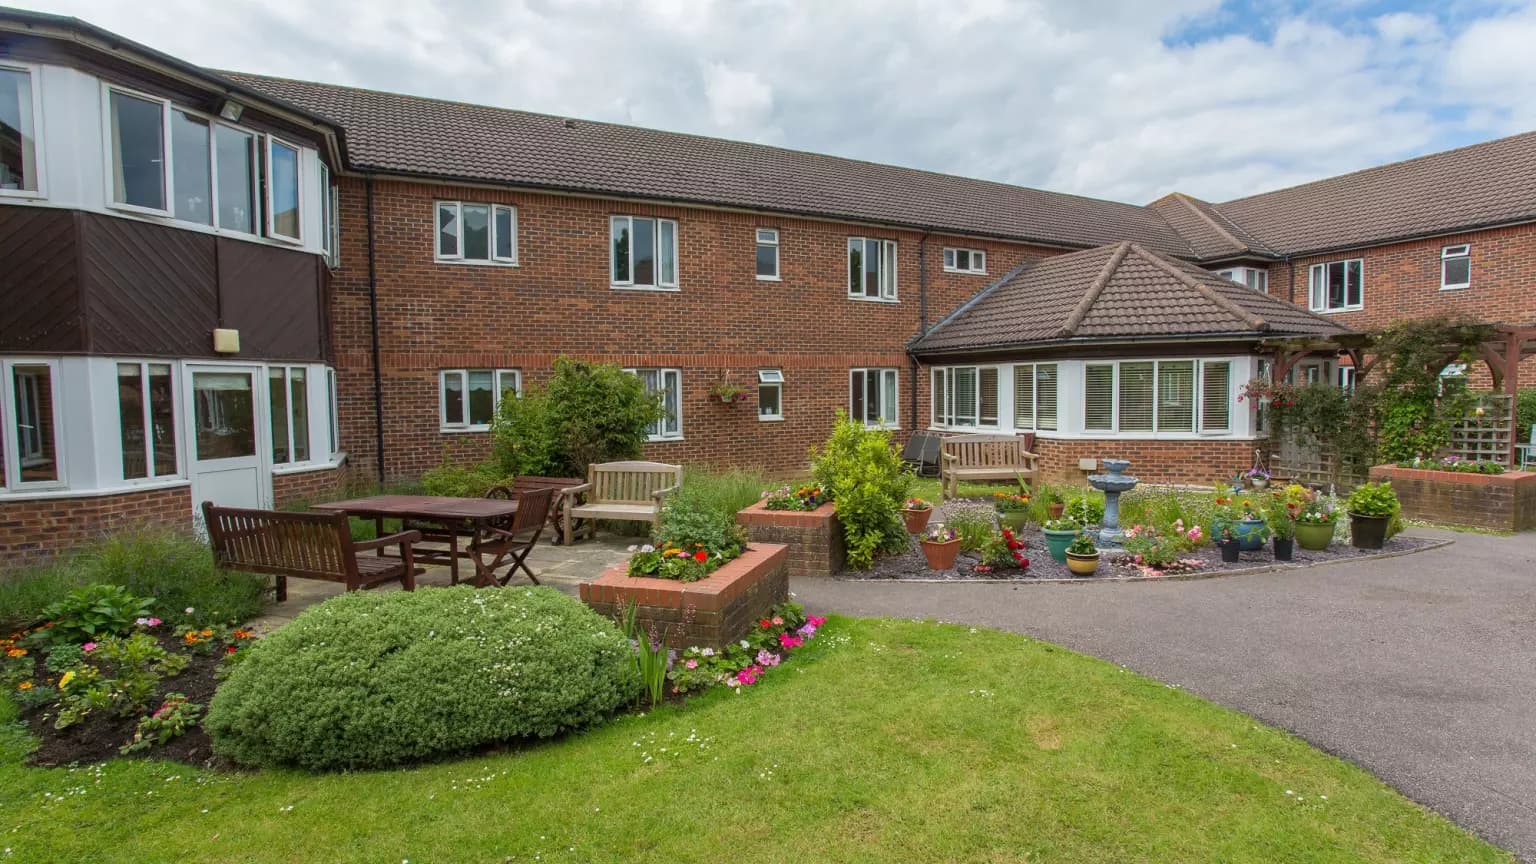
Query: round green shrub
(376, 679)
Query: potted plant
(915, 512)
(729, 392)
(1053, 504)
(941, 545)
(1228, 545)
(1082, 555)
(1059, 534)
(1258, 478)
(1280, 517)
(1314, 526)
(1239, 520)
(1012, 509)
(1371, 509)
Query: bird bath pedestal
(1112, 484)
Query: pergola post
(1512, 349)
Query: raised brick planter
(713, 611)
(1502, 502)
(814, 537)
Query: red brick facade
(37, 529)
(324, 484)
(1193, 462)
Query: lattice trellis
(1314, 465)
(1486, 431)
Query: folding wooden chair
(512, 543)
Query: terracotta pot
(1082, 565)
(1055, 509)
(916, 520)
(941, 556)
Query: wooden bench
(305, 546)
(628, 491)
(986, 457)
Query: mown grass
(882, 741)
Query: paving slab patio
(1421, 668)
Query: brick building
(389, 266)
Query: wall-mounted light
(231, 110)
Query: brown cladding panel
(149, 289)
(39, 281)
(273, 297)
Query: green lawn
(882, 741)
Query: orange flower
(25, 685)
(16, 652)
(244, 634)
(206, 633)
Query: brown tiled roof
(409, 135)
(1470, 187)
(1122, 291)
(1211, 235)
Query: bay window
(468, 398)
(871, 269)
(1157, 396)
(667, 386)
(19, 174)
(146, 420)
(283, 205)
(1337, 286)
(31, 409)
(1034, 396)
(965, 396)
(643, 252)
(873, 395)
(476, 233)
(234, 154)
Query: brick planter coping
(814, 537)
(1501, 502)
(724, 603)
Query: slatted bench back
(630, 482)
(307, 545)
(979, 451)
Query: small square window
(1456, 266)
(770, 394)
(965, 261)
(767, 254)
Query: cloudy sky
(1122, 99)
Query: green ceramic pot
(1314, 537)
(1057, 542)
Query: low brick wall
(814, 537)
(35, 530)
(712, 612)
(1501, 502)
(1196, 462)
(320, 484)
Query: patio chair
(1528, 450)
(922, 453)
(500, 545)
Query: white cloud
(1111, 98)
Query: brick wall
(815, 538)
(326, 484)
(1501, 502)
(1191, 462)
(35, 530)
(722, 323)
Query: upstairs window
(330, 226)
(1253, 277)
(871, 269)
(768, 254)
(1455, 267)
(965, 261)
(283, 206)
(19, 173)
(31, 425)
(667, 386)
(872, 396)
(234, 154)
(643, 252)
(770, 394)
(468, 398)
(1337, 286)
(476, 233)
(146, 420)
(138, 151)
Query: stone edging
(1177, 577)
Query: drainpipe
(922, 314)
(373, 322)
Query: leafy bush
(459, 481)
(95, 612)
(1373, 499)
(1004, 551)
(173, 719)
(1525, 414)
(376, 679)
(588, 412)
(1085, 509)
(26, 594)
(861, 472)
(692, 518)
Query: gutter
(373, 325)
(1017, 347)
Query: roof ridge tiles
(1226, 304)
(1091, 296)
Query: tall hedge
(367, 680)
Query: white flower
(632, 548)
(744, 644)
(190, 610)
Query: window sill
(20, 193)
(459, 430)
(1455, 287)
(665, 440)
(472, 262)
(61, 492)
(158, 217)
(965, 272)
(655, 289)
(762, 278)
(892, 301)
(778, 419)
(1339, 310)
(307, 467)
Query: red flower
(765, 623)
(229, 650)
(701, 556)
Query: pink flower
(788, 641)
(779, 621)
(817, 620)
(767, 658)
(806, 631)
(88, 647)
(692, 664)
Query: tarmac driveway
(1421, 668)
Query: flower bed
(744, 662)
(1498, 502)
(814, 538)
(711, 612)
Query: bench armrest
(573, 491)
(950, 457)
(404, 538)
(662, 493)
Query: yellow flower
(68, 677)
(25, 685)
(206, 633)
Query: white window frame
(888, 419)
(1347, 377)
(497, 391)
(1033, 370)
(772, 235)
(1317, 291)
(947, 415)
(662, 376)
(165, 152)
(659, 284)
(330, 229)
(149, 445)
(34, 78)
(1197, 399)
(886, 292)
(1256, 278)
(770, 379)
(8, 435)
(270, 212)
(288, 420)
(1452, 253)
(457, 257)
(973, 256)
(334, 439)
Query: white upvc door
(227, 440)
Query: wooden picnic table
(474, 515)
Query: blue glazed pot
(1249, 534)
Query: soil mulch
(1113, 563)
(97, 738)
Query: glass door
(227, 466)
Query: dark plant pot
(1055, 509)
(1056, 542)
(1314, 537)
(1283, 547)
(916, 520)
(1013, 520)
(1229, 550)
(1082, 565)
(941, 556)
(1368, 532)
